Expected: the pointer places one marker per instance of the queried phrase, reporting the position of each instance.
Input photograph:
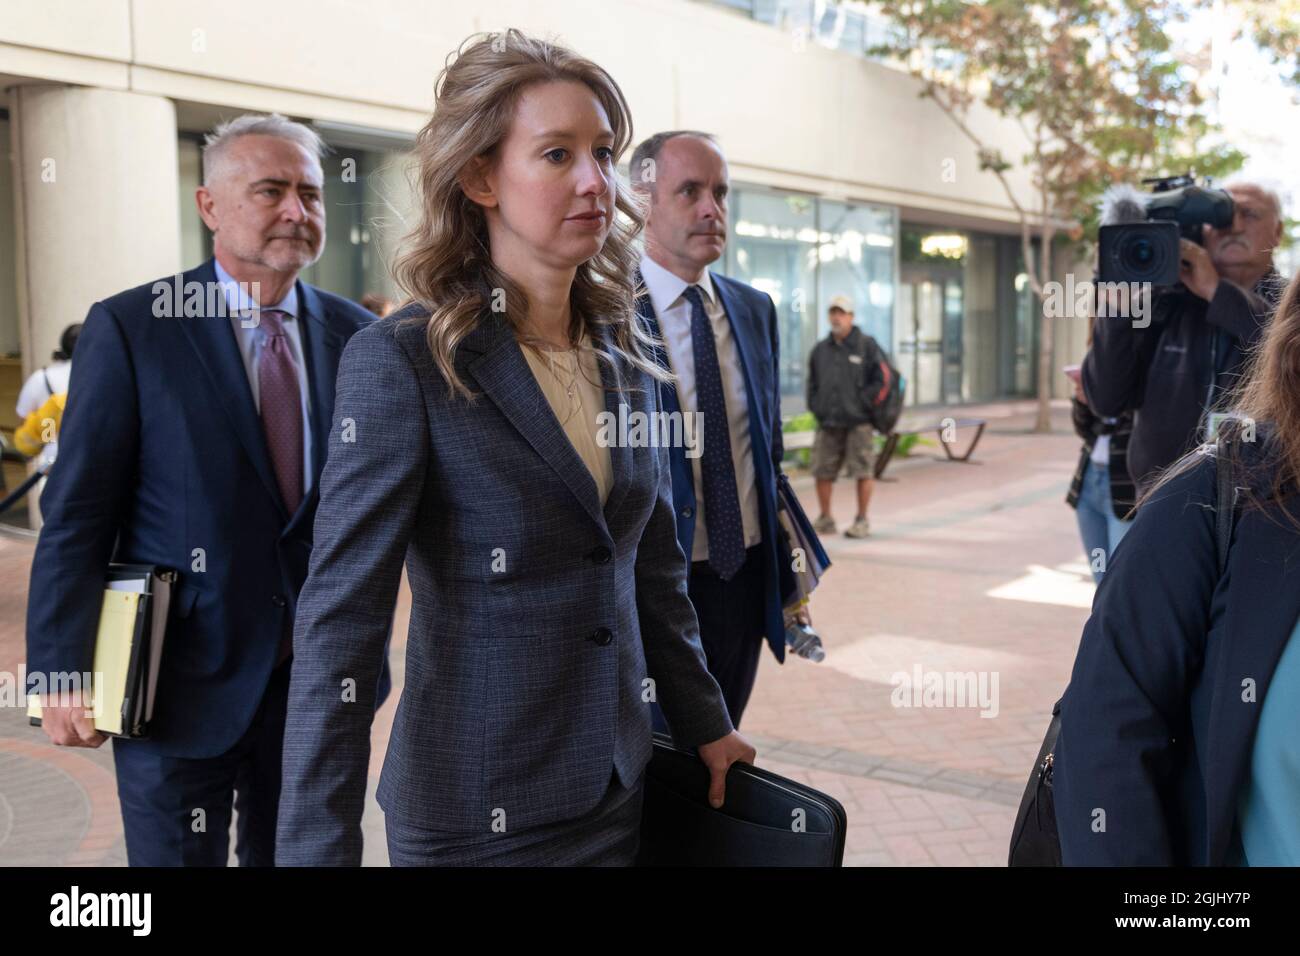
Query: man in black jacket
(1176, 371)
(838, 370)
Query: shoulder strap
(1225, 510)
(868, 352)
(45, 374)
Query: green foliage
(906, 444)
(1098, 86)
(800, 423)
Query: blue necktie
(721, 500)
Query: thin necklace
(570, 387)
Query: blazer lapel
(1263, 605)
(620, 453)
(504, 376)
(214, 342)
(646, 310)
(667, 390)
(740, 332)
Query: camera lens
(1140, 255)
(1139, 252)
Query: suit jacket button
(602, 636)
(687, 512)
(278, 600)
(600, 555)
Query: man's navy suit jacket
(754, 325)
(162, 460)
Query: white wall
(789, 114)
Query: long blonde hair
(446, 265)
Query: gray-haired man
(193, 437)
(1175, 371)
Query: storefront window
(774, 247)
(366, 201)
(801, 251)
(856, 259)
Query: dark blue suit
(1156, 726)
(162, 460)
(752, 317)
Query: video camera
(1140, 232)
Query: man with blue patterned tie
(720, 341)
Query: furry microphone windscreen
(1123, 203)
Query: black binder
(766, 819)
(139, 684)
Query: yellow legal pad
(128, 648)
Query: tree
(1274, 25)
(1098, 90)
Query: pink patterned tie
(281, 406)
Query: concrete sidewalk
(971, 568)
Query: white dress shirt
(250, 341)
(674, 314)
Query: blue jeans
(1098, 526)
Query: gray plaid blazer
(541, 623)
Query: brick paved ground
(970, 568)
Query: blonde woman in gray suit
(549, 592)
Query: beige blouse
(573, 388)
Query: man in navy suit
(720, 340)
(193, 438)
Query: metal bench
(794, 441)
(940, 428)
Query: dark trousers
(176, 810)
(609, 835)
(731, 629)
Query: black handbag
(765, 820)
(1035, 840)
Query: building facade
(844, 181)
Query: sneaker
(824, 525)
(859, 529)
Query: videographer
(1173, 373)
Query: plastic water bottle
(803, 640)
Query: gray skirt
(607, 836)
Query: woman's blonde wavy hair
(446, 265)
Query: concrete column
(96, 189)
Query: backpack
(882, 387)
